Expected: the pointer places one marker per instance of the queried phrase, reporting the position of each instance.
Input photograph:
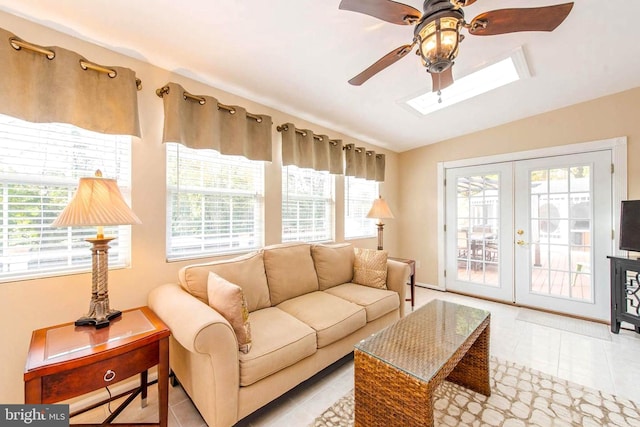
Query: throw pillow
(228, 299)
(370, 268)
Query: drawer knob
(109, 375)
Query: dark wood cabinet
(625, 292)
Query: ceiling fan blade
(382, 63)
(387, 10)
(503, 21)
(441, 80)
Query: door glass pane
(540, 281)
(478, 222)
(558, 180)
(561, 227)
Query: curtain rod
(19, 44)
(333, 142)
(201, 100)
(359, 150)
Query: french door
(535, 232)
(479, 224)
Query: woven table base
(387, 397)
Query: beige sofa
(304, 314)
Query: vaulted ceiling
(297, 56)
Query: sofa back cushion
(246, 271)
(290, 271)
(334, 264)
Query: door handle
(521, 243)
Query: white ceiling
(297, 55)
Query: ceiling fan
(437, 30)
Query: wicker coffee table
(398, 368)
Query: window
(214, 203)
(307, 205)
(359, 195)
(40, 167)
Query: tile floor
(611, 366)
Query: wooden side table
(67, 361)
(412, 277)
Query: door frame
(618, 147)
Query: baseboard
(429, 286)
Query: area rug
(520, 397)
(564, 323)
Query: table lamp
(380, 210)
(97, 202)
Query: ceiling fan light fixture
(438, 40)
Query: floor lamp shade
(380, 210)
(97, 202)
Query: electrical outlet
(417, 264)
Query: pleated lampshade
(97, 202)
(380, 210)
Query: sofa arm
(188, 319)
(397, 279)
(205, 358)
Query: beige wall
(604, 118)
(32, 304)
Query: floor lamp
(97, 202)
(380, 210)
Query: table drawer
(83, 379)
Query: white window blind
(215, 203)
(359, 195)
(40, 166)
(307, 205)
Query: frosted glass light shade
(97, 202)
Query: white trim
(560, 150)
(618, 191)
(441, 234)
(617, 145)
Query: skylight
(491, 77)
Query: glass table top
(423, 341)
(70, 339)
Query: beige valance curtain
(304, 149)
(198, 121)
(363, 163)
(51, 84)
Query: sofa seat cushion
(331, 317)
(279, 340)
(376, 302)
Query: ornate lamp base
(100, 314)
(380, 231)
(98, 322)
